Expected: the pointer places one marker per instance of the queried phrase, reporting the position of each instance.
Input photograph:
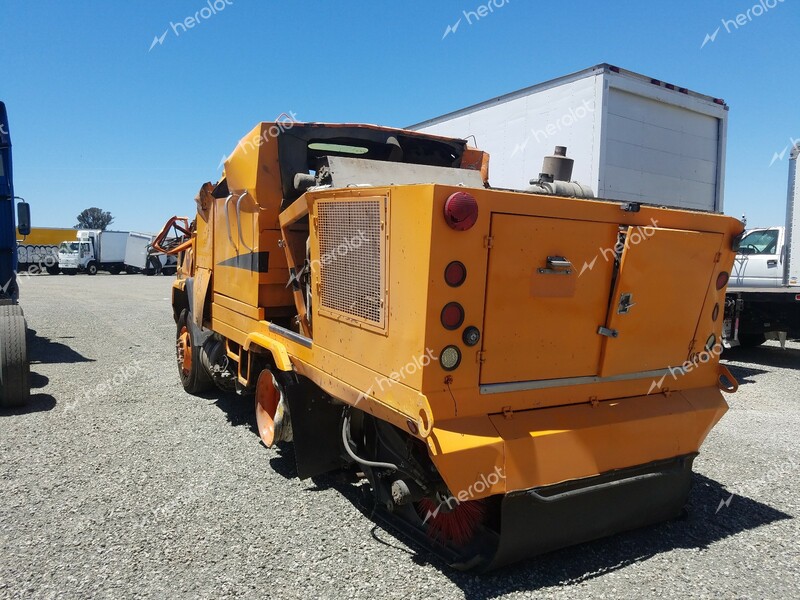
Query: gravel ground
(117, 484)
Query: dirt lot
(114, 483)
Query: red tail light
(455, 273)
(452, 315)
(722, 280)
(461, 211)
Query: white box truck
(93, 250)
(141, 258)
(633, 138)
(764, 291)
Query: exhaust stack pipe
(554, 180)
(557, 167)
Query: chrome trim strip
(520, 386)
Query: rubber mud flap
(541, 520)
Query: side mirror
(24, 218)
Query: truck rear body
(540, 354)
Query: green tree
(94, 218)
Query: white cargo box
(633, 138)
(136, 251)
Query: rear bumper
(496, 454)
(543, 519)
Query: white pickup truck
(763, 297)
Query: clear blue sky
(98, 119)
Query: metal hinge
(507, 412)
(612, 333)
(488, 241)
(594, 401)
(481, 357)
(718, 257)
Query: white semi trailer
(633, 138)
(764, 291)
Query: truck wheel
(91, 269)
(751, 340)
(53, 270)
(10, 310)
(114, 270)
(193, 375)
(15, 388)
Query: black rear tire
(91, 269)
(194, 378)
(53, 270)
(751, 340)
(15, 387)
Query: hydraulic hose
(366, 463)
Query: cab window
(764, 241)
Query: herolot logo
(211, 8)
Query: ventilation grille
(352, 258)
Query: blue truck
(14, 366)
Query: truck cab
(77, 255)
(760, 259)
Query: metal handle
(228, 224)
(239, 222)
(557, 265)
(772, 263)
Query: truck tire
(53, 270)
(91, 269)
(15, 387)
(194, 378)
(115, 270)
(751, 340)
(10, 310)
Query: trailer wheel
(15, 389)
(751, 340)
(91, 269)
(193, 375)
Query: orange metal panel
(658, 329)
(543, 325)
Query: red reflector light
(722, 280)
(452, 315)
(797, 297)
(461, 211)
(455, 273)
(719, 101)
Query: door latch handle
(612, 333)
(772, 263)
(556, 265)
(625, 304)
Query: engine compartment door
(547, 293)
(658, 299)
